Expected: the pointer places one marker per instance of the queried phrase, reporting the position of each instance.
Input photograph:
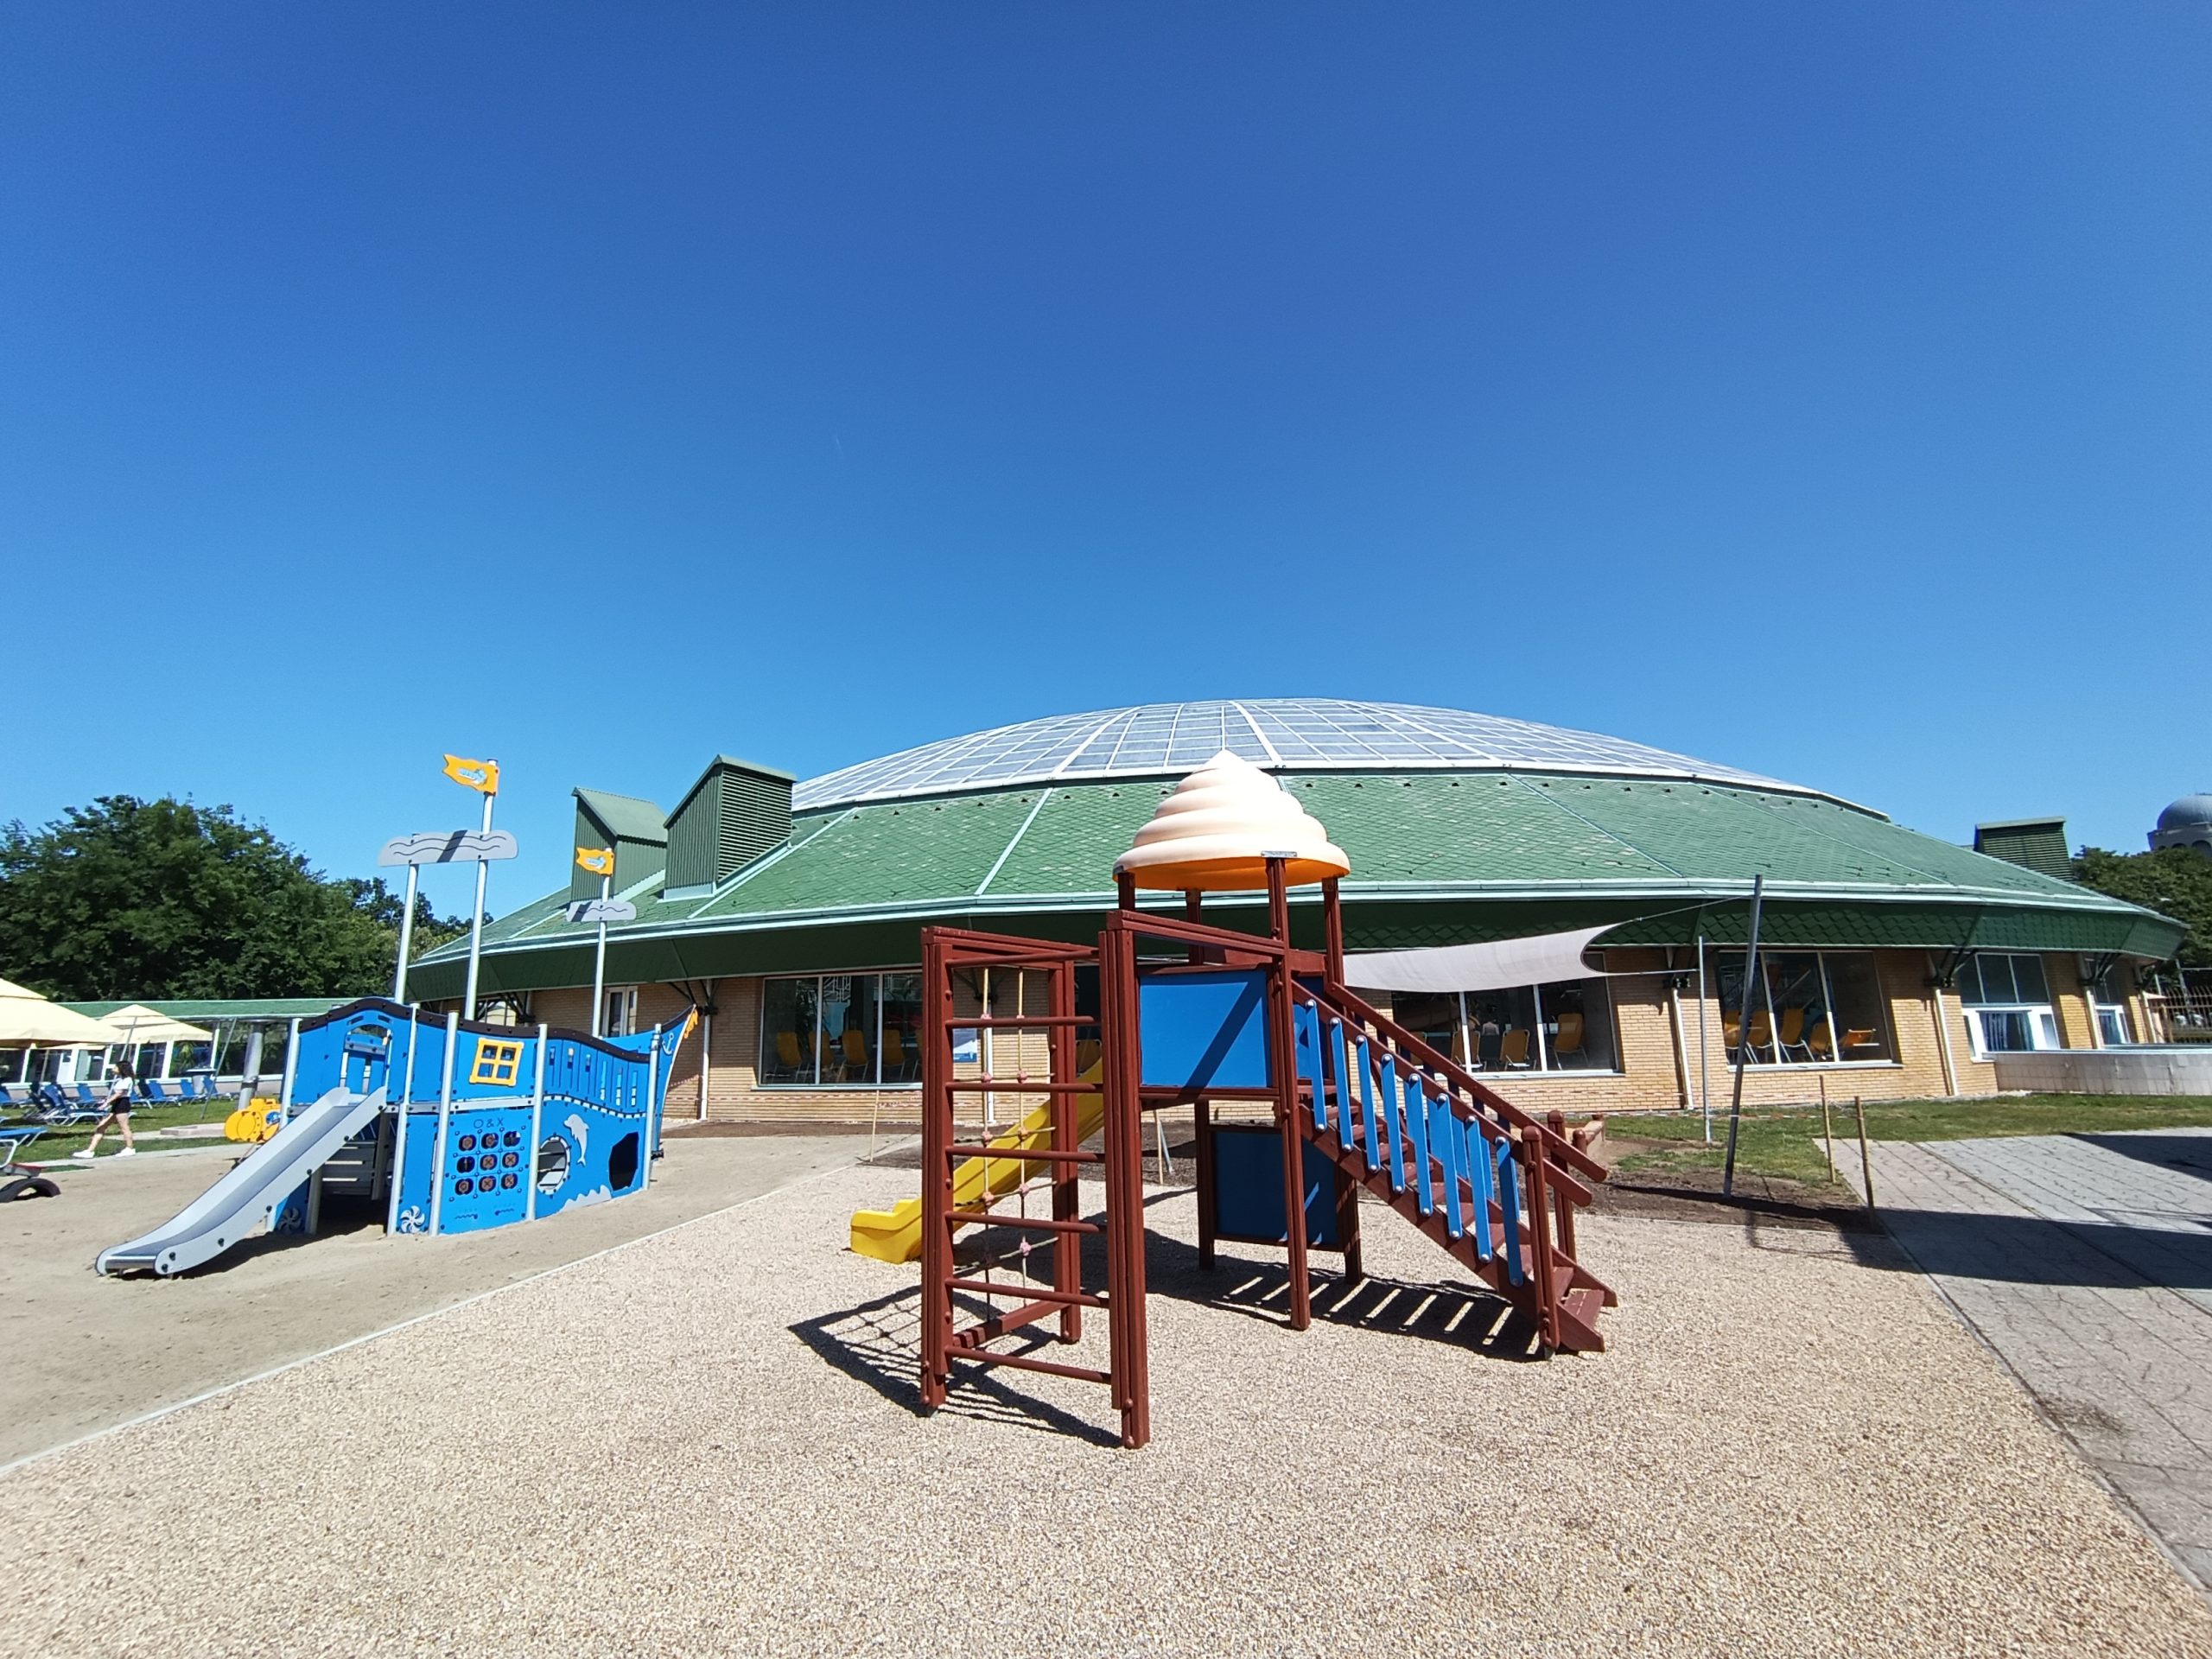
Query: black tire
(29, 1186)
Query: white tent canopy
(1502, 964)
(26, 1017)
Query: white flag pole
(599, 963)
(406, 937)
(476, 919)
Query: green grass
(144, 1124)
(1784, 1141)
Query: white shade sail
(1502, 964)
(27, 1017)
(140, 1024)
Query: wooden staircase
(1495, 1186)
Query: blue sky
(1822, 390)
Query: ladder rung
(1039, 1223)
(1020, 1086)
(1023, 1362)
(1016, 1021)
(1035, 1293)
(1011, 1154)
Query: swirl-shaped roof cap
(1218, 828)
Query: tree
(2174, 881)
(163, 898)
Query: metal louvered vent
(736, 812)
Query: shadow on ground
(2030, 1250)
(878, 1343)
(2189, 1153)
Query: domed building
(789, 912)
(2187, 823)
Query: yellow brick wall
(1655, 1073)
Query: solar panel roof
(1282, 733)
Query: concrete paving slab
(2085, 1262)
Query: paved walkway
(2086, 1263)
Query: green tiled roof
(223, 1007)
(625, 816)
(1474, 854)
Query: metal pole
(291, 1067)
(707, 1045)
(1704, 1066)
(1866, 1159)
(1744, 1037)
(406, 937)
(445, 1121)
(399, 1129)
(650, 1145)
(1942, 1030)
(537, 1129)
(476, 920)
(598, 964)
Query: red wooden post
(1125, 888)
(1067, 1203)
(1333, 917)
(1202, 1119)
(1283, 1055)
(937, 1173)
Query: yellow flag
(600, 861)
(482, 776)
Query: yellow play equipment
(254, 1121)
(895, 1235)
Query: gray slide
(242, 1200)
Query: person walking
(119, 1113)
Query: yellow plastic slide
(895, 1235)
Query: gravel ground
(705, 1443)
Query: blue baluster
(1508, 1200)
(1367, 1100)
(1476, 1145)
(1307, 1026)
(1417, 1142)
(1443, 1134)
(1393, 1127)
(1343, 1083)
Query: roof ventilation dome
(1216, 830)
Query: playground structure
(454, 1126)
(1187, 1013)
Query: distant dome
(1279, 734)
(2187, 823)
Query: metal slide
(244, 1198)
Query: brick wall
(1657, 1072)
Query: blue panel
(488, 1167)
(1206, 1030)
(1248, 1188)
(414, 1207)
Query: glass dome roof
(1280, 734)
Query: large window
(1810, 1008)
(841, 1030)
(2007, 1003)
(2107, 1003)
(1566, 1026)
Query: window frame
(2041, 1017)
(816, 1085)
(1780, 1062)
